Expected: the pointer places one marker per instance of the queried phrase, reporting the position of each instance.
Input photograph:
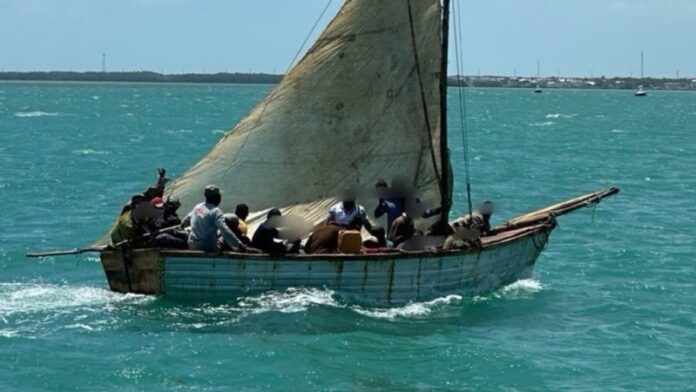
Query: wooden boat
(367, 102)
(509, 254)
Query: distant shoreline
(625, 83)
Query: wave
(559, 115)
(542, 124)
(36, 114)
(90, 151)
(20, 298)
(411, 310)
(520, 289)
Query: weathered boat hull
(376, 279)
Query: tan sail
(355, 109)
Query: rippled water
(611, 306)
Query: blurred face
(414, 209)
(348, 196)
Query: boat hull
(388, 279)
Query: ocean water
(612, 305)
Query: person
(348, 213)
(404, 228)
(324, 239)
(393, 207)
(479, 219)
(242, 213)
(233, 222)
(174, 236)
(266, 235)
(392, 201)
(205, 220)
(157, 190)
(127, 228)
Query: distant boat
(538, 89)
(641, 91)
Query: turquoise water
(612, 305)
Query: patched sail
(364, 103)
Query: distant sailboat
(641, 91)
(538, 89)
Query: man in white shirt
(206, 220)
(348, 213)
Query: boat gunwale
(520, 233)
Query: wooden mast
(446, 166)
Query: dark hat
(172, 202)
(212, 190)
(273, 212)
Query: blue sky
(572, 37)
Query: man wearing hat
(206, 219)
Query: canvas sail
(364, 103)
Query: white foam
(542, 124)
(20, 298)
(36, 114)
(90, 151)
(559, 115)
(520, 289)
(289, 301)
(411, 310)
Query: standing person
(348, 213)
(393, 207)
(206, 219)
(392, 201)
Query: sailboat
(641, 91)
(538, 89)
(368, 101)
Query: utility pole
(104, 62)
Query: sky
(501, 37)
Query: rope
(422, 96)
(309, 35)
(462, 102)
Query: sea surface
(612, 305)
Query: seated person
(233, 222)
(173, 237)
(348, 213)
(266, 235)
(127, 228)
(480, 219)
(206, 219)
(242, 213)
(324, 239)
(403, 228)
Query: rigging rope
(462, 101)
(314, 27)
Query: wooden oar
(77, 251)
(66, 252)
